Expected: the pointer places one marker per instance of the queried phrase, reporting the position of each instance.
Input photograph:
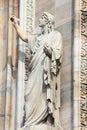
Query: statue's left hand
(47, 50)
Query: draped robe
(42, 92)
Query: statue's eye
(42, 17)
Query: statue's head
(46, 19)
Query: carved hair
(50, 20)
(49, 17)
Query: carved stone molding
(30, 16)
(83, 74)
(30, 29)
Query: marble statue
(42, 92)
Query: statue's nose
(39, 20)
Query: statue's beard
(39, 30)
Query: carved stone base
(40, 127)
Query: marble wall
(64, 24)
(42, 6)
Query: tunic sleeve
(57, 45)
(56, 53)
(31, 41)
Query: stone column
(27, 23)
(21, 71)
(11, 69)
(7, 79)
(83, 66)
(3, 52)
(77, 65)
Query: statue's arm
(18, 29)
(20, 33)
(57, 45)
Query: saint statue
(42, 92)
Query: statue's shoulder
(31, 38)
(57, 33)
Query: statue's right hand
(14, 19)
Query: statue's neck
(46, 30)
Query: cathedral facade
(71, 22)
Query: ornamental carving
(30, 27)
(83, 74)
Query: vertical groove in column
(21, 71)
(77, 59)
(9, 69)
(11, 78)
(3, 60)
